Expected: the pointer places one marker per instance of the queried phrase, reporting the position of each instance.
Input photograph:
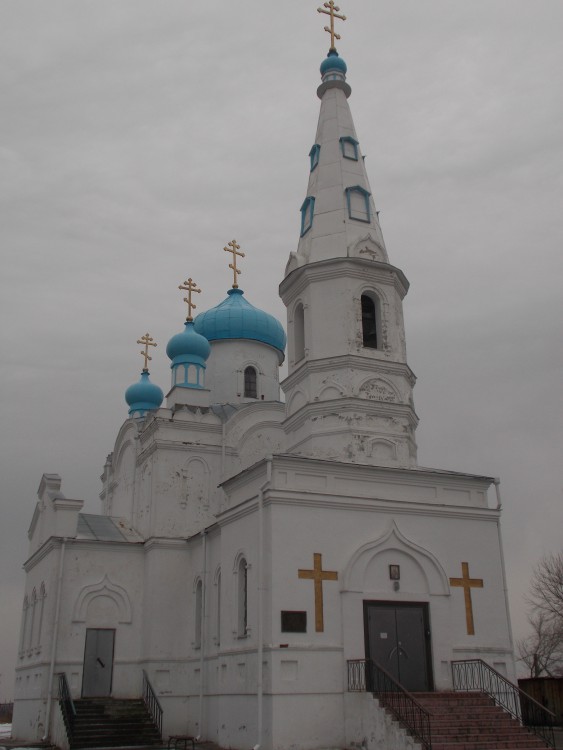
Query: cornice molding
(335, 268)
(348, 404)
(352, 361)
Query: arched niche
(116, 594)
(421, 573)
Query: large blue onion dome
(143, 396)
(188, 347)
(333, 62)
(236, 318)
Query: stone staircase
(110, 722)
(471, 721)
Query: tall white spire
(349, 387)
(338, 215)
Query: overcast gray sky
(138, 137)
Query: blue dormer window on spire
(307, 210)
(349, 147)
(314, 155)
(357, 199)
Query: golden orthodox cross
(190, 286)
(147, 340)
(318, 575)
(233, 248)
(467, 584)
(333, 13)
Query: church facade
(248, 548)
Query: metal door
(98, 663)
(398, 638)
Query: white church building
(250, 544)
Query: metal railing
(67, 704)
(475, 674)
(152, 703)
(366, 675)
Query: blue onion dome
(188, 347)
(143, 396)
(333, 62)
(236, 318)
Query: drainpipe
(202, 631)
(496, 482)
(260, 599)
(55, 638)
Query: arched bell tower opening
(371, 321)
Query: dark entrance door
(398, 638)
(98, 663)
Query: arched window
(370, 322)
(250, 383)
(242, 624)
(32, 607)
(218, 621)
(299, 332)
(198, 613)
(42, 595)
(24, 626)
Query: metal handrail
(66, 703)
(366, 675)
(475, 674)
(151, 702)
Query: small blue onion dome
(236, 318)
(188, 347)
(333, 62)
(143, 396)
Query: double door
(398, 638)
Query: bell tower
(349, 387)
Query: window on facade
(198, 612)
(218, 620)
(307, 210)
(24, 625)
(250, 383)
(42, 596)
(314, 155)
(370, 322)
(242, 625)
(299, 332)
(358, 203)
(349, 147)
(33, 608)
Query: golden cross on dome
(147, 340)
(233, 248)
(190, 286)
(333, 13)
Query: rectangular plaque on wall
(293, 622)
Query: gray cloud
(137, 138)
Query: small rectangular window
(307, 211)
(349, 147)
(314, 156)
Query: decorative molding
(393, 539)
(104, 588)
(369, 248)
(378, 389)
